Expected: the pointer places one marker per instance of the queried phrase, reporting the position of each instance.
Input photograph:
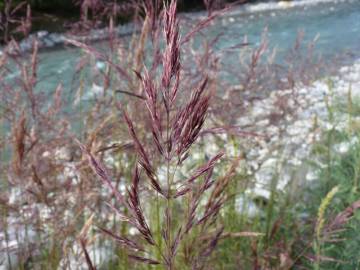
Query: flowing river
(334, 24)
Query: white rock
(247, 207)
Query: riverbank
(59, 16)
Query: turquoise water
(336, 23)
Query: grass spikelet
(19, 133)
(84, 241)
(101, 171)
(321, 212)
(320, 225)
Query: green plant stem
(168, 200)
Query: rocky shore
(47, 40)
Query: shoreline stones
(283, 154)
(48, 40)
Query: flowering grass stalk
(175, 126)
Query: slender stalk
(158, 228)
(169, 195)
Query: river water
(335, 25)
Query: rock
(56, 38)
(62, 154)
(42, 34)
(246, 206)
(48, 42)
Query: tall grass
(175, 127)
